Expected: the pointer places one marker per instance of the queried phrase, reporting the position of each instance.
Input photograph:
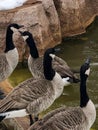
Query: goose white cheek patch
(25, 38)
(52, 55)
(87, 71)
(13, 29)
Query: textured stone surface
(41, 20)
(75, 15)
(38, 24)
(48, 21)
(54, 23)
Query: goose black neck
(33, 48)
(49, 73)
(83, 92)
(9, 41)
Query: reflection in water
(94, 64)
(74, 51)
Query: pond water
(74, 52)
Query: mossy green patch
(19, 75)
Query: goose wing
(59, 65)
(62, 119)
(4, 67)
(25, 93)
(62, 67)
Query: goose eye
(87, 71)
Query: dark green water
(74, 52)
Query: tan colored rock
(53, 18)
(48, 21)
(75, 15)
(35, 20)
(88, 12)
(49, 34)
(38, 18)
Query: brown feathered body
(34, 95)
(64, 118)
(58, 64)
(8, 62)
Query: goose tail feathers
(13, 114)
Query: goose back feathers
(31, 94)
(62, 119)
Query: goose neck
(49, 73)
(9, 41)
(33, 48)
(83, 92)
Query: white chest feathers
(12, 58)
(90, 112)
(58, 84)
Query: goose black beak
(57, 49)
(21, 26)
(88, 61)
(21, 33)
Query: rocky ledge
(49, 21)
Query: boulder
(45, 32)
(40, 20)
(51, 14)
(75, 15)
(49, 21)
(54, 23)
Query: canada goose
(10, 4)
(71, 118)
(35, 62)
(34, 95)
(9, 58)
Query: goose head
(85, 69)
(9, 36)
(26, 35)
(49, 55)
(14, 26)
(51, 52)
